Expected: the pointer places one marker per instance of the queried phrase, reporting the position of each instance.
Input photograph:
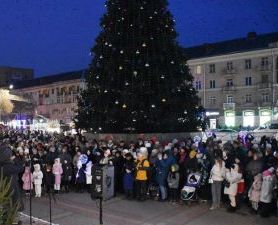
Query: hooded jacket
(11, 169)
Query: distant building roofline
(251, 42)
(51, 79)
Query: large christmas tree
(138, 80)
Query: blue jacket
(162, 169)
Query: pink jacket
(57, 170)
(27, 182)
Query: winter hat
(125, 151)
(192, 154)
(144, 151)
(5, 154)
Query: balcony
(229, 106)
(264, 85)
(265, 103)
(229, 71)
(229, 88)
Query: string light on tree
(138, 73)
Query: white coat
(233, 177)
(37, 175)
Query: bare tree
(6, 104)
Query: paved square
(79, 209)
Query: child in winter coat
(128, 182)
(255, 192)
(267, 191)
(233, 176)
(88, 173)
(27, 179)
(80, 177)
(57, 171)
(48, 178)
(38, 176)
(173, 183)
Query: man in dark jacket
(11, 167)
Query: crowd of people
(238, 172)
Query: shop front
(265, 116)
(230, 118)
(248, 118)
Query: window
(230, 66)
(199, 70)
(52, 91)
(264, 79)
(230, 99)
(248, 64)
(248, 81)
(198, 85)
(212, 83)
(265, 97)
(212, 100)
(212, 68)
(264, 63)
(229, 83)
(248, 98)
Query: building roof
(250, 43)
(74, 75)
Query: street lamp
(11, 86)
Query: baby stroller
(189, 191)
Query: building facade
(54, 97)
(237, 80)
(11, 75)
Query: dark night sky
(55, 36)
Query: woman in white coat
(233, 176)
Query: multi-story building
(237, 80)
(54, 97)
(11, 75)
